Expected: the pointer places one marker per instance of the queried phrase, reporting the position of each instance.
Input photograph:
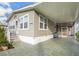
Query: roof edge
(29, 6)
(23, 8)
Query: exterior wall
(23, 34)
(38, 32)
(33, 35)
(27, 36)
(11, 30)
(30, 31)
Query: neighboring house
(38, 22)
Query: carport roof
(55, 11)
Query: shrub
(77, 36)
(3, 39)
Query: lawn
(52, 47)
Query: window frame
(24, 22)
(43, 23)
(20, 22)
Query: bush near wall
(4, 44)
(77, 36)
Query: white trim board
(34, 40)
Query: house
(38, 22)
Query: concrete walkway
(64, 46)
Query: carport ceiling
(58, 11)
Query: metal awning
(59, 11)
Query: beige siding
(30, 31)
(34, 26)
(38, 32)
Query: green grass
(53, 47)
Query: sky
(6, 8)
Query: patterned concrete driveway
(52, 47)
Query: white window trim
(23, 22)
(39, 23)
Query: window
(43, 23)
(21, 23)
(24, 23)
